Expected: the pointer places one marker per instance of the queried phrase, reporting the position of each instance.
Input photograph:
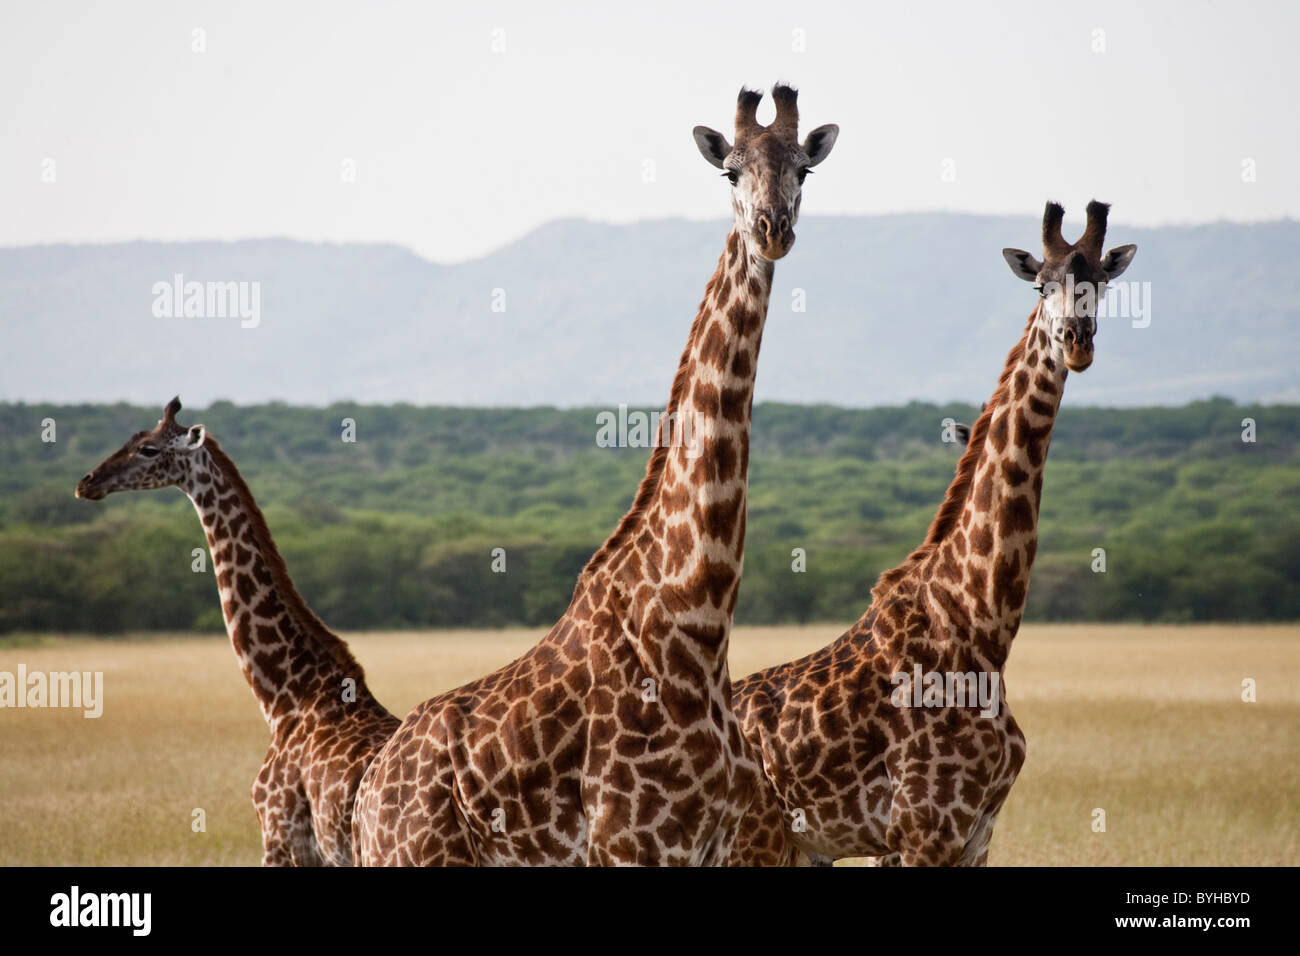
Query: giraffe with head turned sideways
(325, 725)
(613, 740)
(852, 765)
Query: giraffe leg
(981, 834)
(403, 822)
(762, 840)
(977, 850)
(931, 853)
(272, 800)
(922, 835)
(942, 845)
(284, 812)
(288, 838)
(275, 850)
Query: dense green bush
(397, 529)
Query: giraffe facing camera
(1071, 280)
(895, 741)
(613, 740)
(767, 167)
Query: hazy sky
(458, 147)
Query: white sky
(459, 149)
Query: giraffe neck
(685, 534)
(290, 659)
(980, 567)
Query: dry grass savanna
(1145, 723)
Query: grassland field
(1145, 723)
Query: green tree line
(397, 529)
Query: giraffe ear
(819, 142)
(1117, 260)
(195, 437)
(1023, 265)
(713, 145)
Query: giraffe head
(1071, 280)
(156, 458)
(766, 167)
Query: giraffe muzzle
(86, 489)
(775, 235)
(1078, 350)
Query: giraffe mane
(954, 502)
(312, 626)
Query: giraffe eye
(803, 174)
(733, 176)
(148, 451)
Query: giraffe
(325, 725)
(612, 741)
(853, 767)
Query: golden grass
(1146, 723)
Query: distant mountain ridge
(895, 308)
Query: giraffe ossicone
(863, 770)
(562, 757)
(325, 725)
